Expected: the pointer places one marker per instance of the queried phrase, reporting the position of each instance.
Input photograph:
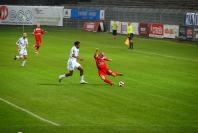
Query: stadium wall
(132, 14)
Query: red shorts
(38, 40)
(104, 72)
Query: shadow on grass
(72, 84)
(51, 84)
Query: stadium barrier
(143, 29)
(93, 26)
(156, 30)
(171, 31)
(188, 33)
(84, 14)
(159, 30)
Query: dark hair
(76, 42)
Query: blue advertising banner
(85, 14)
(191, 19)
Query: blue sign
(191, 19)
(85, 14)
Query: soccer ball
(121, 84)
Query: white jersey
(74, 52)
(22, 43)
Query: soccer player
(130, 35)
(22, 44)
(114, 28)
(72, 64)
(38, 32)
(103, 70)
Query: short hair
(76, 42)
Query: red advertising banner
(143, 29)
(156, 30)
(91, 26)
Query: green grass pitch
(160, 93)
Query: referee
(130, 35)
(114, 28)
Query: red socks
(108, 82)
(37, 46)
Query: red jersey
(100, 62)
(38, 32)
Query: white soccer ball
(121, 84)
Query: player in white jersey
(72, 63)
(22, 44)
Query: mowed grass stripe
(29, 112)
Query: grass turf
(160, 93)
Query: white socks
(23, 63)
(17, 57)
(62, 76)
(82, 78)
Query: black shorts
(130, 36)
(114, 32)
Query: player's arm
(96, 52)
(17, 44)
(77, 57)
(107, 59)
(43, 31)
(33, 33)
(27, 42)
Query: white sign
(16, 15)
(30, 15)
(171, 31)
(135, 28)
(102, 14)
(48, 15)
(67, 13)
(124, 27)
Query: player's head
(24, 34)
(129, 23)
(101, 54)
(77, 44)
(38, 25)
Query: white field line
(30, 113)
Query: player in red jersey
(38, 32)
(103, 70)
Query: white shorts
(22, 52)
(72, 64)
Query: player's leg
(131, 41)
(24, 57)
(70, 67)
(69, 73)
(24, 60)
(109, 72)
(37, 46)
(16, 57)
(20, 56)
(82, 81)
(103, 77)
